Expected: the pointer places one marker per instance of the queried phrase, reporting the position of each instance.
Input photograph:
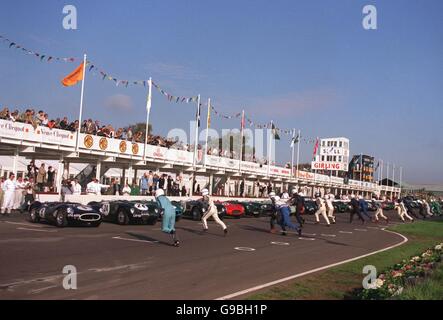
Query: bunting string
(95, 70)
(173, 98)
(42, 57)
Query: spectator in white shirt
(76, 187)
(126, 190)
(9, 187)
(94, 187)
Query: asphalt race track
(138, 262)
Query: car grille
(89, 217)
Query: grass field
(339, 282)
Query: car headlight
(70, 210)
(156, 210)
(132, 210)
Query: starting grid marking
(280, 243)
(244, 249)
(347, 232)
(362, 230)
(307, 239)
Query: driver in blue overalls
(168, 215)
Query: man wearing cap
(9, 187)
(355, 210)
(273, 220)
(321, 210)
(168, 215)
(210, 211)
(379, 210)
(298, 201)
(285, 220)
(330, 207)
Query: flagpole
(270, 149)
(148, 113)
(241, 139)
(361, 167)
(381, 172)
(393, 174)
(196, 131)
(81, 104)
(401, 178)
(292, 152)
(378, 170)
(387, 177)
(207, 129)
(298, 152)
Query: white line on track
(280, 243)
(40, 230)
(328, 235)
(136, 240)
(244, 249)
(307, 239)
(347, 232)
(309, 234)
(362, 230)
(246, 291)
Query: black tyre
(196, 214)
(60, 219)
(177, 219)
(122, 218)
(33, 216)
(95, 224)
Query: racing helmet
(271, 195)
(159, 192)
(205, 192)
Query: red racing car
(234, 210)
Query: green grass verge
(340, 281)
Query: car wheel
(122, 218)
(95, 224)
(177, 219)
(152, 222)
(33, 216)
(60, 219)
(196, 215)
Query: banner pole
(148, 113)
(207, 129)
(81, 105)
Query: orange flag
(74, 77)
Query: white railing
(25, 134)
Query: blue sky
(304, 64)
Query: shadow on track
(146, 238)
